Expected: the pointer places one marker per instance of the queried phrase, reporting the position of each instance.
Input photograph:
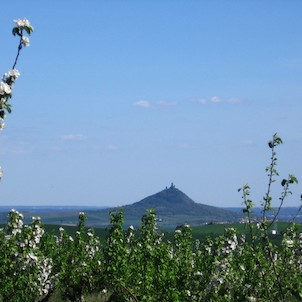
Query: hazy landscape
(173, 208)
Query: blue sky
(117, 99)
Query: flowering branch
(9, 78)
(21, 27)
(271, 169)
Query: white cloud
(74, 137)
(216, 99)
(142, 104)
(160, 104)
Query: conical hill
(173, 208)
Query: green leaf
(8, 108)
(16, 31)
(284, 182)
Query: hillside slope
(173, 207)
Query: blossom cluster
(22, 25)
(24, 265)
(5, 93)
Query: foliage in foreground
(138, 265)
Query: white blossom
(22, 244)
(22, 23)
(25, 41)
(288, 243)
(5, 88)
(32, 258)
(13, 73)
(2, 124)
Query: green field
(200, 232)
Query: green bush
(139, 265)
